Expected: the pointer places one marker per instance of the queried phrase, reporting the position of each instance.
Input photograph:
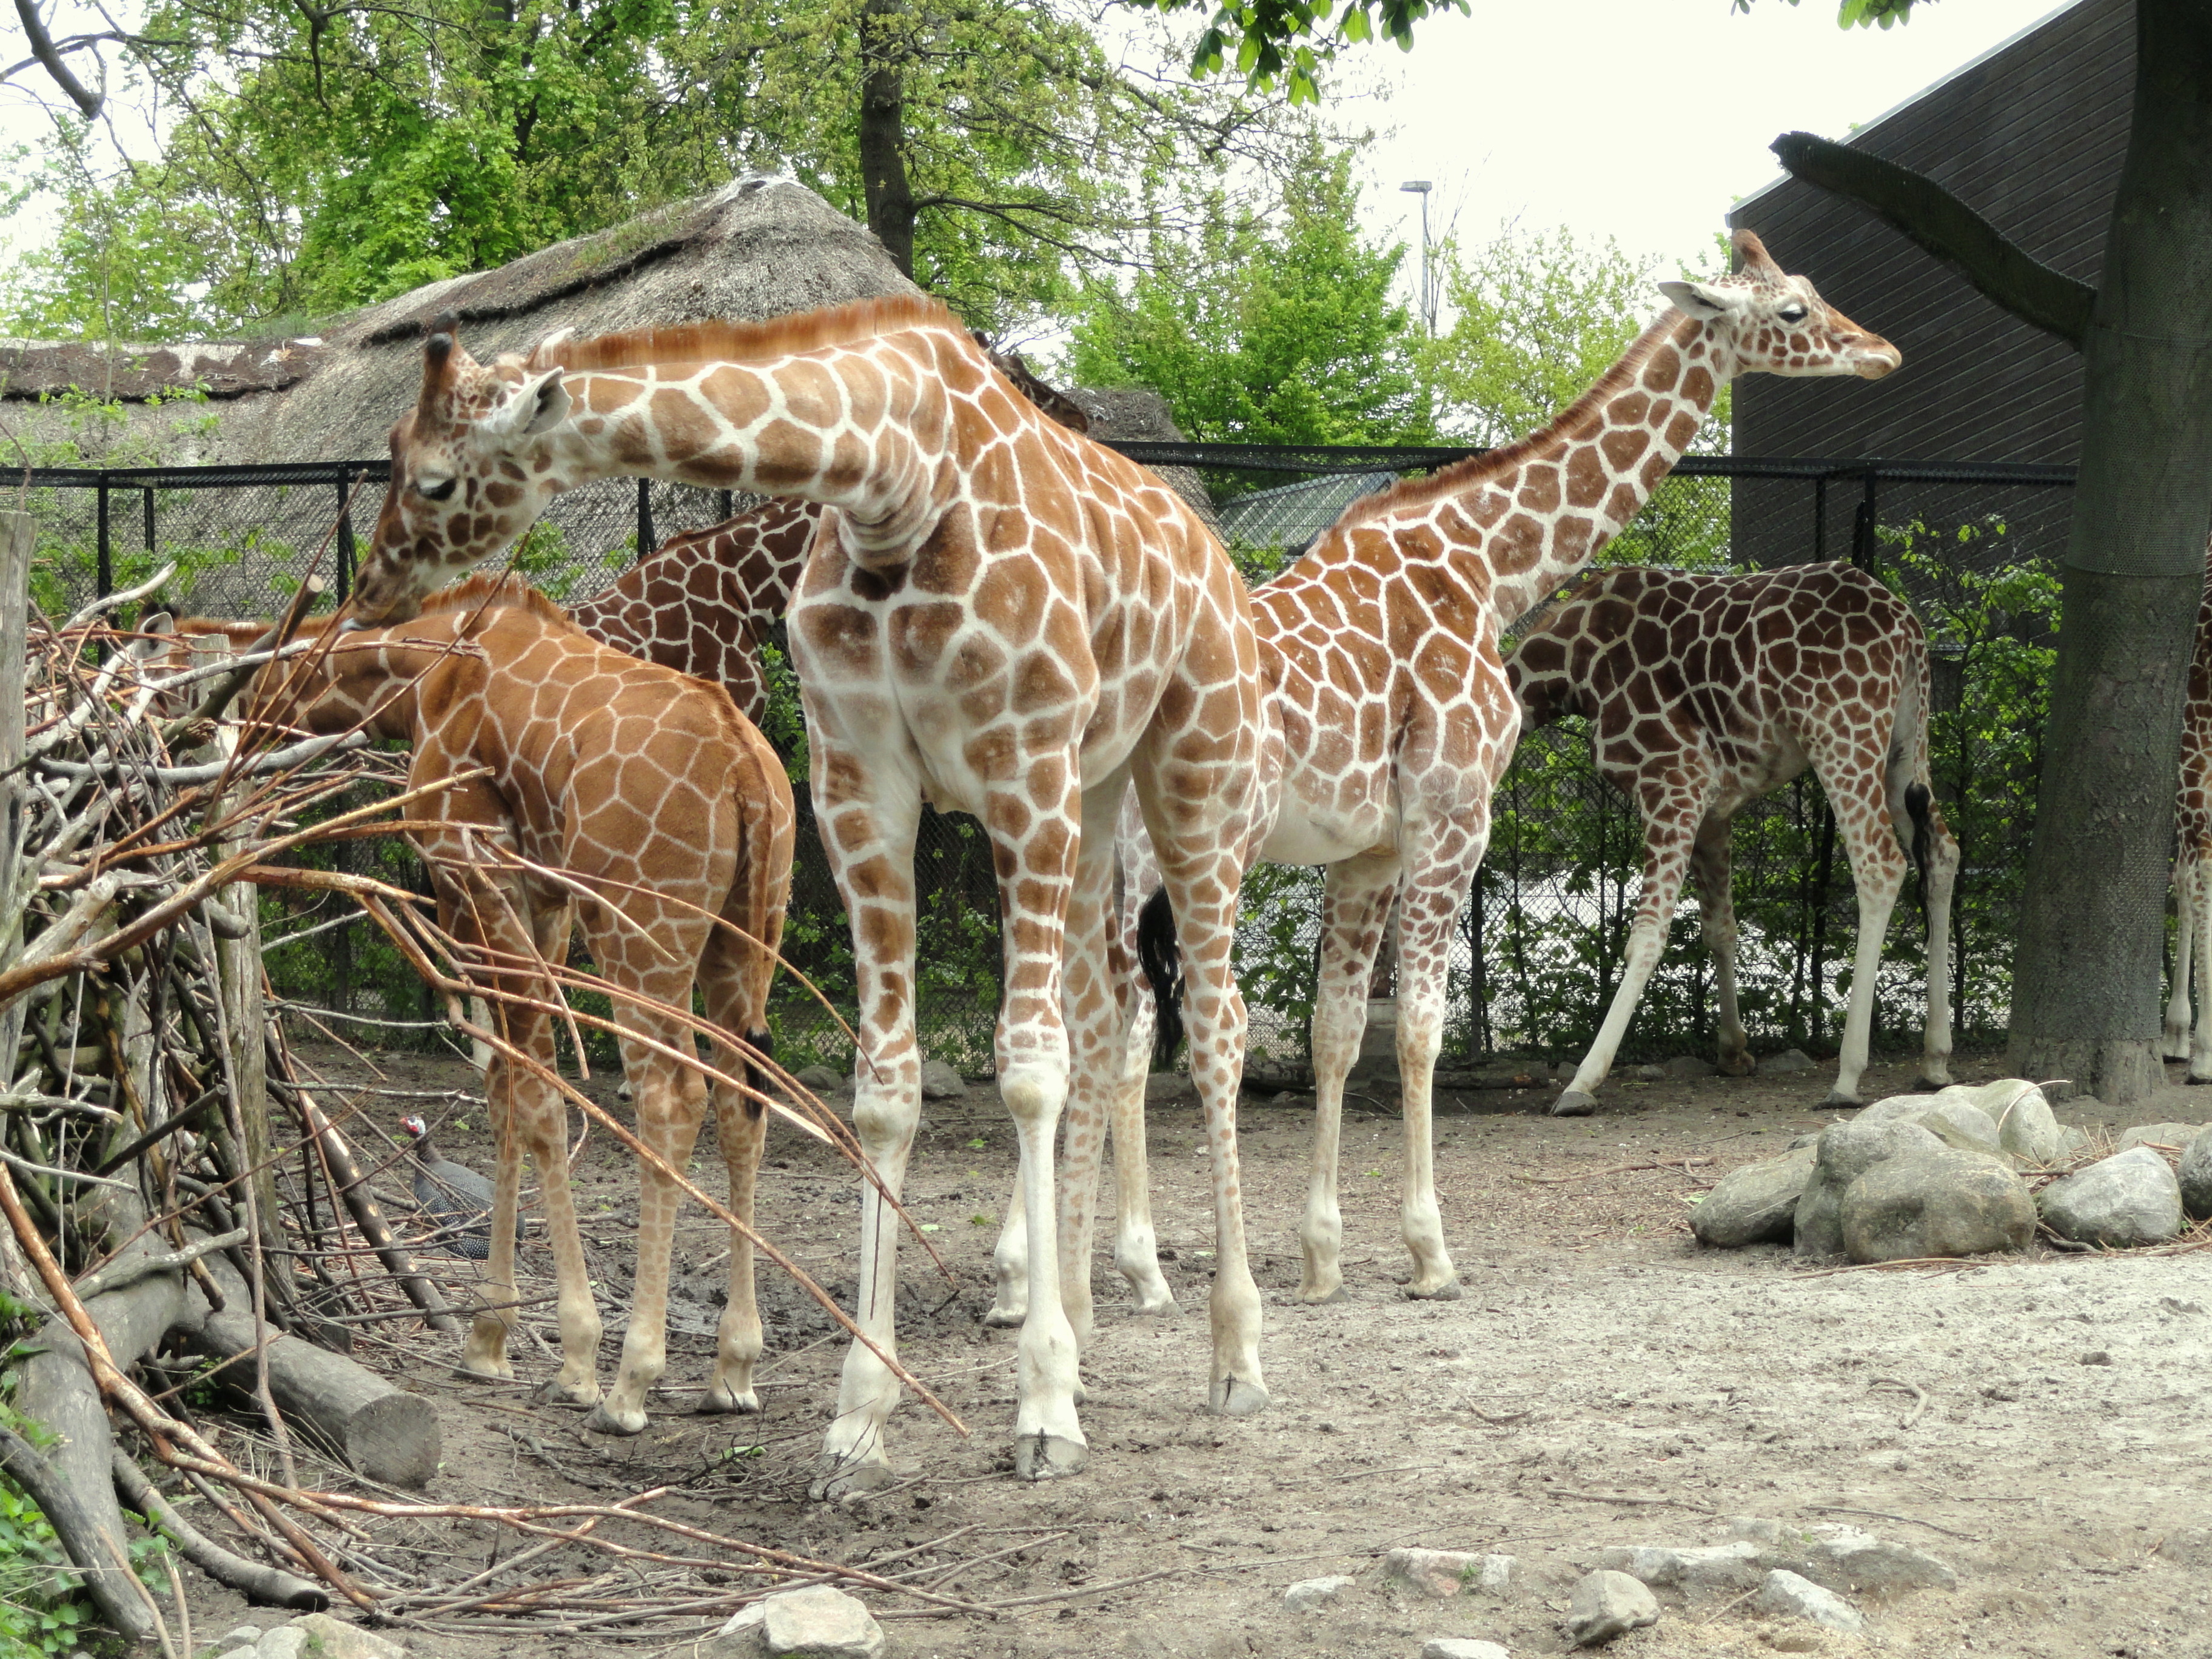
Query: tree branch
(1932, 217)
(42, 48)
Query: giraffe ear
(1701, 300)
(541, 401)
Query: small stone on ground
(2177, 1136)
(1607, 1605)
(1716, 1566)
(1444, 1573)
(1790, 1059)
(2131, 1198)
(818, 1077)
(1800, 1598)
(1460, 1647)
(814, 1623)
(1753, 1203)
(1311, 1592)
(940, 1082)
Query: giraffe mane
(495, 594)
(1577, 420)
(726, 342)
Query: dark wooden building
(2032, 135)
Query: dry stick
(1884, 1515)
(454, 989)
(1919, 1396)
(1681, 1163)
(145, 1595)
(158, 1427)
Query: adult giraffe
(1705, 691)
(643, 785)
(997, 612)
(1396, 719)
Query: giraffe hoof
(1575, 1103)
(494, 1370)
(1323, 1298)
(1042, 1456)
(1931, 1084)
(2195, 1076)
(557, 1392)
(1737, 1066)
(1449, 1290)
(1237, 1396)
(1006, 1319)
(1835, 1100)
(719, 1401)
(604, 1420)
(1164, 1306)
(834, 1479)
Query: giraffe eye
(1792, 312)
(438, 489)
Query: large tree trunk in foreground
(883, 46)
(2092, 947)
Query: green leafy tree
(1265, 328)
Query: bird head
(414, 1129)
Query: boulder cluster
(1964, 1172)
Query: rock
(1799, 1598)
(2188, 1546)
(1844, 1559)
(243, 1636)
(1716, 1566)
(1785, 1639)
(1444, 1573)
(1309, 1594)
(814, 1623)
(2195, 1178)
(283, 1643)
(1941, 1202)
(1790, 1059)
(1684, 1067)
(2026, 1127)
(820, 1079)
(321, 1637)
(1651, 1074)
(1606, 1605)
(2131, 1198)
(1458, 1647)
(2177, 1136)
(1844, 1152)
(940, 1082)
(1755, 1203)
(1950, 1115)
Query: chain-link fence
(1974, 547)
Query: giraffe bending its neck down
(1706, 692)
(997, 613)
(640, 784)
(1396, 719)
(2192, 864)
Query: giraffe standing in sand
(2192, 864)
(636, 782)
(1396, 720)
(997, 613)
(1706, 692)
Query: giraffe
(996, 613)
(1706, 691)
(1390, 700)
(630, 779)
(702, 602)
(2192, 863)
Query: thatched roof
(759, 247)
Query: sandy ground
(2041, 1424)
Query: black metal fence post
(345, 572)
(1863, 526)
(104, 554)
(644, 542)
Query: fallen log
(269, 1586)
(380, 1432)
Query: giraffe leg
(1672, 811)
(1091, 1009)
(1355, 897)
(1010, 1264)
(1877, 858)
(2199, 921)
(1709, 861)
(870, 839)
(1136, 1246)
(672, 1102)
(1941, 879)
(1428, 905)
(2186, 875)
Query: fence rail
(1972, 544)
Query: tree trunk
(2092, 947)
(882, 130)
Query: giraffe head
(470, 471)
(1765, 318)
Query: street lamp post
(1421, 188)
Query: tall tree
(1276, 327)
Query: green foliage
(1256, 329)
(41, 1611)
(1290, 41)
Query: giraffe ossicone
(638, 784)
(996, 613)
(1389, 701)
(1705, 691)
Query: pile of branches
(175, 1191)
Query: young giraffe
(997, 612)
(649, 787)
(2192, 863)
(1706, 692)
(1396, 720)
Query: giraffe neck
(357, 682)
(867, 432)
(1521, 520)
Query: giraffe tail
(1917, 800)
(1161, 958)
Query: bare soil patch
(1603, 1381)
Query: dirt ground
(1604, 1382)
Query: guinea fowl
(453, 1196)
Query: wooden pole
(17, 534)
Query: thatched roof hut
(759, 247)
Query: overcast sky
(1641, 119)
